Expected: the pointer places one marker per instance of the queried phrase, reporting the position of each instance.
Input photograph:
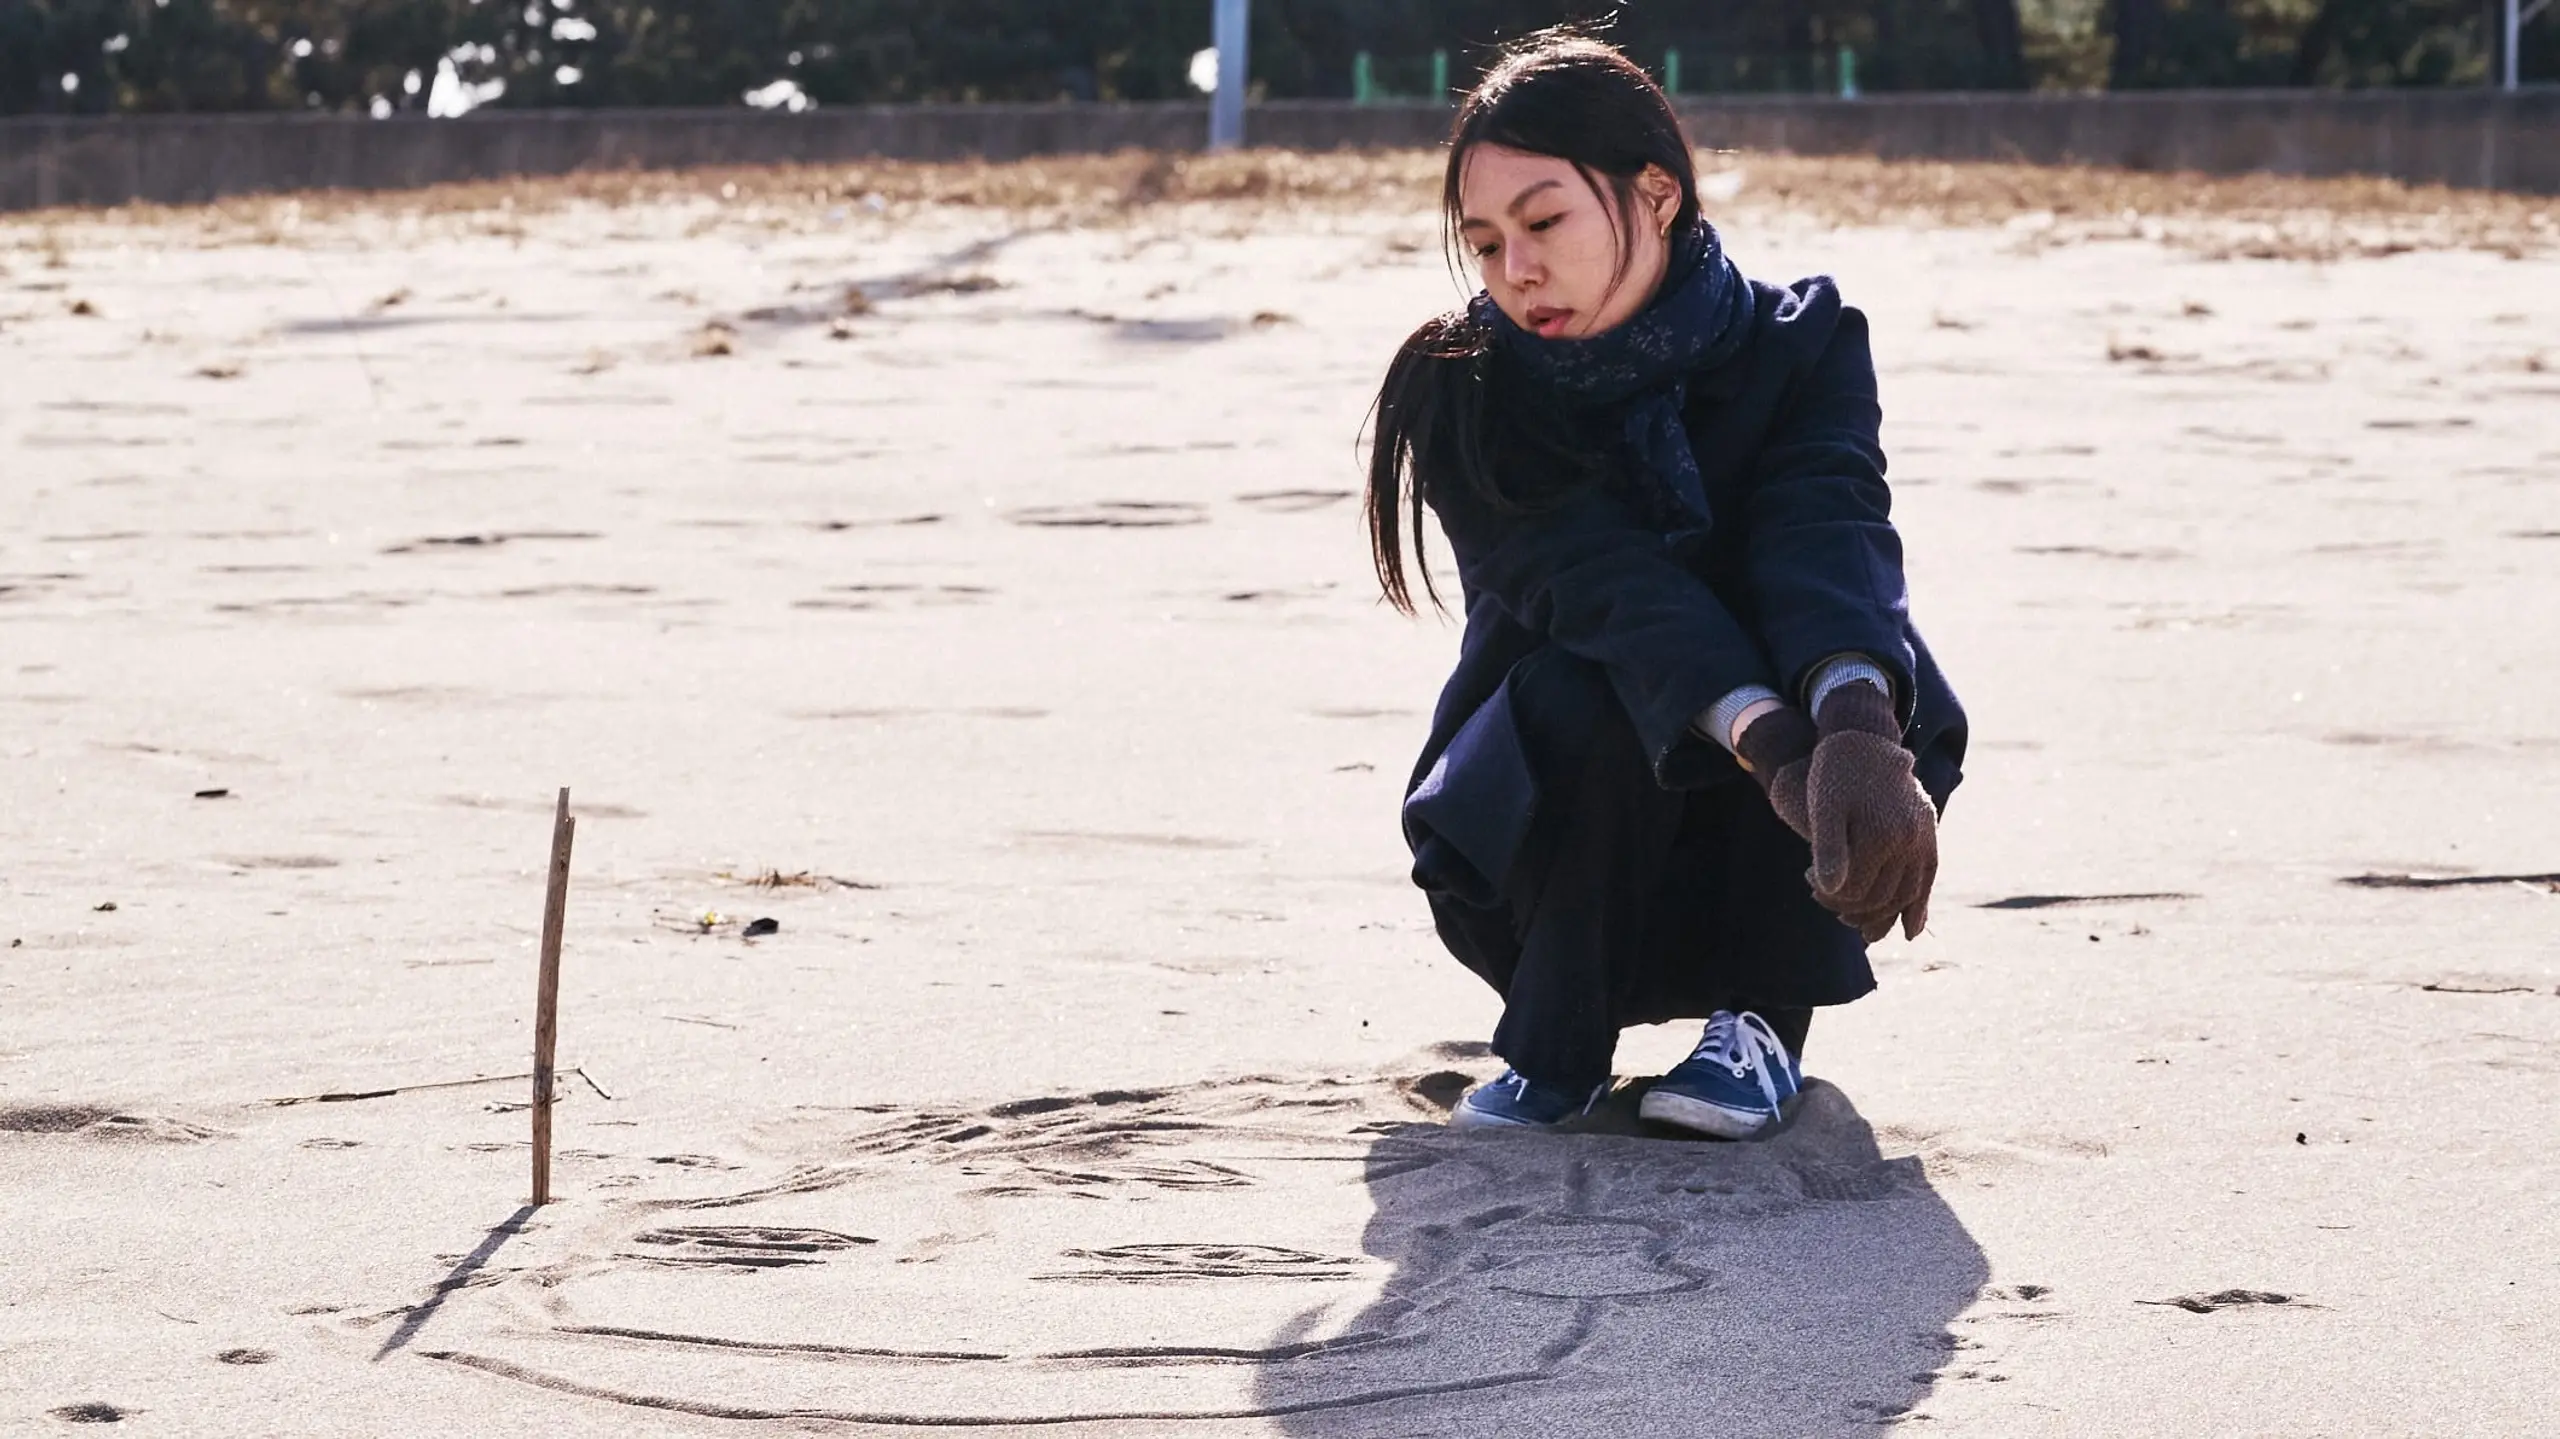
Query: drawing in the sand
(995, 992)
(877, 1253)
(1691, 760)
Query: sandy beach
(961, 569)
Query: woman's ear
(1661, 195)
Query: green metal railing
(1725, 74)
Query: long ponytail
(1454, 425)
(1429, 411)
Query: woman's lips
(1547, 322)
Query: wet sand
(1003, 630)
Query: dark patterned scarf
(1637, 375)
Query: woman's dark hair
(1449, 414)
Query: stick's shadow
(460, 1276)
(1602, 1283)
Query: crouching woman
(1692, 758)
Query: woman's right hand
(1777, 747)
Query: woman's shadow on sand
(1613, 1282)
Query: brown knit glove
(1777, 750)
(1874, 832)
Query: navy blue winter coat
(1801, 563)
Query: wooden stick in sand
(546, 996)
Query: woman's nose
(1520, 265)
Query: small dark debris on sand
(972, 284)
(91, 1412)
(759, 928)
(794, 879)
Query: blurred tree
(1997, 25)
(2137, 28)
(2398, 42)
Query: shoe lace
(1520, 1089)
(1745, 1044)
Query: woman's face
(1548, 247)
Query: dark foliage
(96, 56)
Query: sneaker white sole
(1705, 1118)
(1464, 1118)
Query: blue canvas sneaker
(1731, 1085)
(1515, 1101)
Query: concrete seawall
(2475, 139)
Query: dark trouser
(1632, 904)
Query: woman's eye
(1485, 252)
(1548, 223)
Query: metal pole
(1226, 109)
(2520, 13)
(2515, 29)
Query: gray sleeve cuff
(1840, 670)
(1717, 723)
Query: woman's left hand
(1875, 833)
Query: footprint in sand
(1177, 1263)
(278, 861)
(49, 1118)
(88, 1122)
(902, 596)
(742, 1246)
(1111, 514)
(892, 522)
(1079, 839)
(2223, 1299)
(2058, 901)
(1293, 502)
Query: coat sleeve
(1823, 564)
(1595, 580)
